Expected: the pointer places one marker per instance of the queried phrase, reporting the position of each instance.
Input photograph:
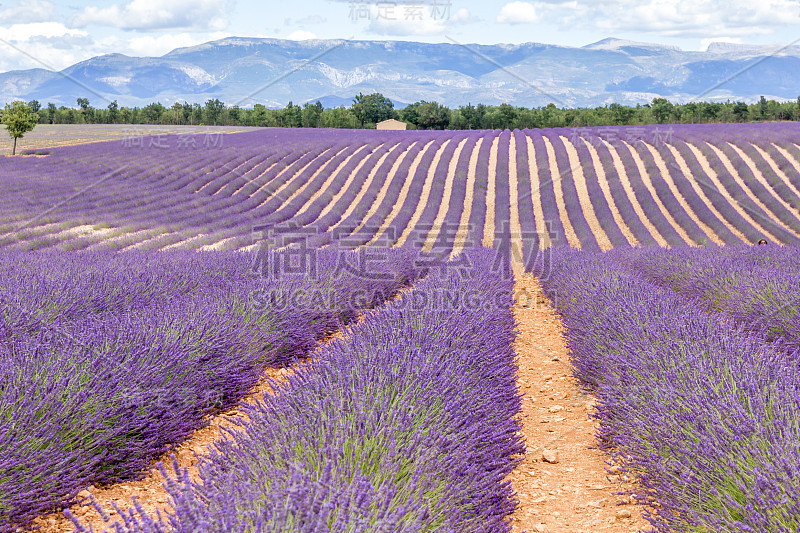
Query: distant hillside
(244, 70)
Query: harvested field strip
(583, 195)
(654, 195)
(768, 187)
(422, 201)
(555, 181)
(715, 178)
(536, 196)
(605, 186)
(771, 216)
(373, 208)
(445, 202)
(664, 173)
(400, 203)
(491, 191)
(463, 225)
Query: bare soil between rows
(578, 493)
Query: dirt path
(583, 196)
(648, 183)
(469, 198)
(491, 192)
(602, 179)
(149, 491)
(726, 162)
(536, 196)
(422, 201)
(578, 492)
(444, 204)
(555, 179)
(712, 174)
(687, 173)
(619, 166)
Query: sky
(54, 35)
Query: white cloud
(158, 15)
(676, 18)
(461, 16)
(28, 11)
(301, 35)
(44, 45)
(518, 13)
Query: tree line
(367, 110)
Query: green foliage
(18, 118)
(372, 108)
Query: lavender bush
(107, 360)
(703, 412)
(407, 424)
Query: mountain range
(246, 71)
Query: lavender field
(118, 340)
(593, 188)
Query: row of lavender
(108, 360)
(756, 286)
(341, 185)
(701, 410)
(409, 423)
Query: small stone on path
(550, 456)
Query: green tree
(433, 116)
(372, 108)
(312, 114)
(86, 110)
(113, 112)
(291, 116)
(662, 109)
(621, 114)
(740, 111)
(51, 113)
(507, 115)
(177, 108)
(470, 115)
(762, 108)
(214, 110)
(152, 112)
(19, 119)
